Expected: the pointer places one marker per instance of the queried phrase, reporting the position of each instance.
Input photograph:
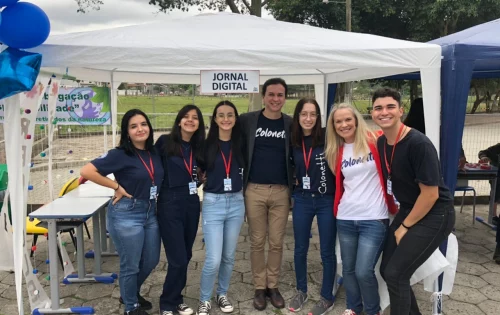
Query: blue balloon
(24, 25)
(18, 71)
(4, 3)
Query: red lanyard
(393, 150)
(307, 160)
(227, 164)
(190, 166)
(151, 171)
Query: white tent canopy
(175, 51)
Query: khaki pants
(267, 208)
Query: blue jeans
(222, 217)
(133, 227)
(306, 206)
(361, 243)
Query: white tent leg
(431, 87)
(319, 93)
(437, 299)
(114, 107)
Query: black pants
(178, 217)
(400, 262)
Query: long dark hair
(318, 137)
(415, 118)
(125, 142)
(173, 147)
(211, 145)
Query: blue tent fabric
(470, 54)
(474, 52)
(332, 90)
(454, 90)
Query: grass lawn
(162, 113)
(172, 104)
(164, 110)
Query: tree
(254, 7)
(485, 91)
(417, 20)
(85, 5)
(236, 6)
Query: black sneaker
(183, 309)
(494, 221)
(224, 304)
(137, 311)
(496, 255)
(144, 304)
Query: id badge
(389, 187)
(193, 190)
(227, 184)
(306, 182)
(153, 192)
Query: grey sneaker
(204, 308)
(297, 302)
(322, 307)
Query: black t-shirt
(321, 177)
(217, 174)
(269, 164)
(177, 175)
(130, 172)
(415, 161)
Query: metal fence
(76, 145)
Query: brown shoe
(259, 300)
(276, 298)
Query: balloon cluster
(23, 25)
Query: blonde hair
(362, 137)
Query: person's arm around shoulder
(425, 163)
(90, 172)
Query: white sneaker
(224, 304)
(183, 309)
(204, 308)
(166, 313)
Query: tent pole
(114, 107)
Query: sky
(64, 18)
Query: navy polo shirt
(321, 176)
(217, 174)
(130, 172)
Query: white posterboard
(229, 81)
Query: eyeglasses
(306, 114)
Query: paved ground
(476, 291)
